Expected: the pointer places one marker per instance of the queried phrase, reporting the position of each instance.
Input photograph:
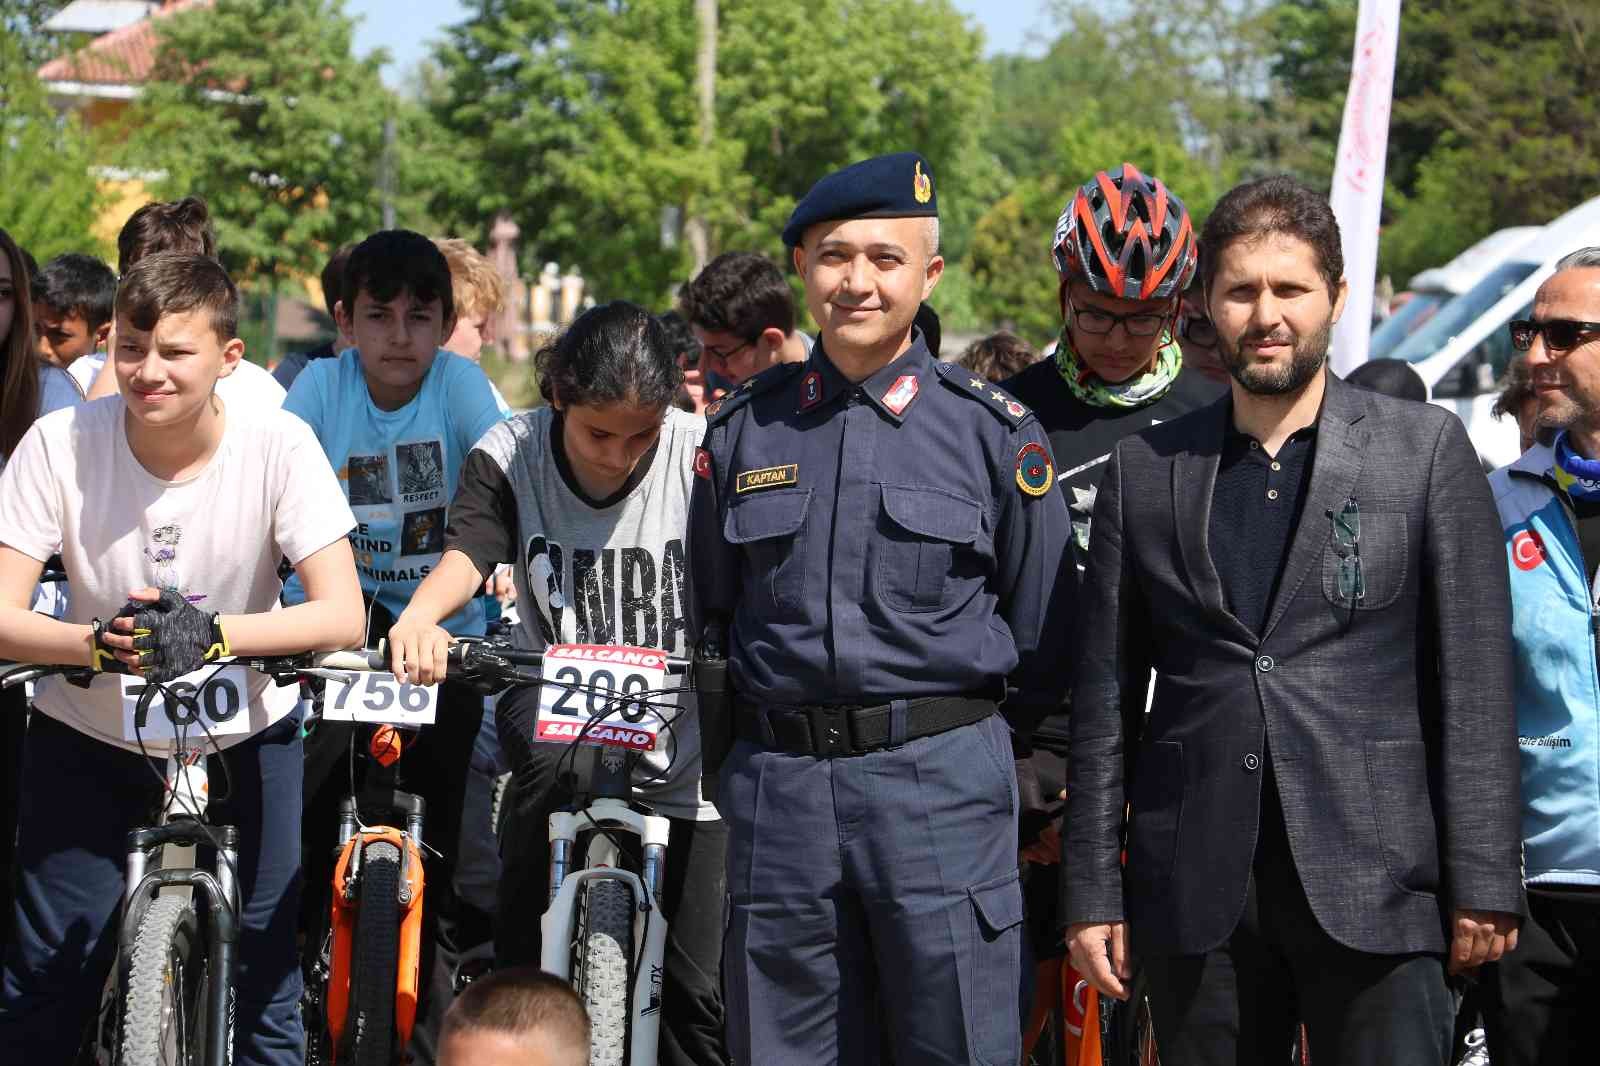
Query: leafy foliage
(584, 123)
(49, 198)
(260, 107)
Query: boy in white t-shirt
(170, 512)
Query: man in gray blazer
(1322, 803)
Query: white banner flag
(1358, 175)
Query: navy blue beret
(886, 186)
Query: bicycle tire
(163, 1022)
(498, 791)
(375, 956)
(605, 969)
(1133, 1027)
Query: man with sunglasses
(742, 312)
(1319, 811)
(1540, 1000)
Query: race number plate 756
(591, 685)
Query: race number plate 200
(219, 697)
(587, 683)
(378, 697)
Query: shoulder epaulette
(991, 396)
(765, 381)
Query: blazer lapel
(1341, 444)
(1194, 477)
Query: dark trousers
(874, 902)
(433, 766)
(13, 725)
(1540, 1000)
(1239, 1004)
(79, 799)
(692, 894)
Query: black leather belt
(831, 731)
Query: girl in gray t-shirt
(588, 499)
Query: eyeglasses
(1560, 334)
(1096, 322)
(1347, 535)
(720, 356)
(1199, 330)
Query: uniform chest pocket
(771, 525)
(1384, 549)
(921, 531)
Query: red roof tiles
(121, 57)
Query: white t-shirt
(248, 387)
(56, 391)
(73, 486)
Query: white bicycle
(604, 930)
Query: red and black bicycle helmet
(1127, 236)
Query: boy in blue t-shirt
(397, 416)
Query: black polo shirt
(1255, 508)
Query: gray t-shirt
(593, 571)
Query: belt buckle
(830, 731)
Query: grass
(516, 381)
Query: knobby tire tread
(606, 969)
(168, 929)
(375, 957)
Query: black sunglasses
(1560, 334)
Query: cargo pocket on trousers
(996, 969)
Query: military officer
(881, 536)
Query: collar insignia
(901, 393)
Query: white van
(1463, 349)
(1435, 287)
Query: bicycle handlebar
(476, 660)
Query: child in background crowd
(72, 313)
(29, 388)
(178, 226)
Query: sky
(405, 28)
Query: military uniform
(888, 555)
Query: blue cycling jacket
(1553, 620)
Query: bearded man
(1322, 802)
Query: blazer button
(1265, 664)
(1251, 762)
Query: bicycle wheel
(605, 966)
(1134, 1042)
(163, 1021)
(374, 957)
(497, 803)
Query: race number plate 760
(212, 700)
(591, 683)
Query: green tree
(589, 140)
(260, 107)
(1013, 276)
(23, 21)
(1495, 121)
(49, 198)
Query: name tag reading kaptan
(212, 700)
(586, 694)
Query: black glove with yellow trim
(173, 637)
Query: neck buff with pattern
(1141, 390)
(1578, 477)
